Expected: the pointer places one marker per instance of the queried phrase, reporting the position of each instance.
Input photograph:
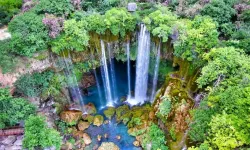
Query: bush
(33, 85)
(38, 135)
(29, 34)
(57, 7)
(8, 8)
(74, 37)
(119, 21)
(13, 110)
(7, 60)
(220, 10)
(161, 23)
(156, 138)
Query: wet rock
(4, 34)
(109, 113)
(118, 137)
(99, 137)
(106, 122)
(151, 115)
(136, 143)
(2, 147)
(98, 120)
(89, 118)
(19, 142)
(90, 108)
(108, 146)
(86, 138)
(67, 146)
(123, 99)
(132, 7)
(71, 116)
(105, 135)
(9, 140)
(13, 147)
(83, 125)
(88, 80)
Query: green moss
(120, 111)
(90, 119)
(109, 112)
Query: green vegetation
(155, 138)
(13, 110)
(161, 23)
(74, 37)
(38, 135)
(33, 85)
(29, 34)
(208, 41)
(8, 8)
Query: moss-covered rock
(98, 120)
(121, 111)
(108, 146)
(109, 113)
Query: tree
(226, 64)
(29, 34)
(38, 135)
(161, 23)
(220, 10)
(119, 21)
(13, 110)
(197, 38)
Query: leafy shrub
(8, 8)
(155, 138)
(57, 7)
(33, 84)
(200, 126)
(119, 21)
(164, 107)
(13, 110)
(74, 37)
(29, 34)
(95, 23)
(7, 60)
(38, 135)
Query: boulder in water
(70, 116)
(108, 146)
(90, 108)
(136, 143)
(86, 138)
(109, 113)
(98, 120)
(82, 125)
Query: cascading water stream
(98, 88)
(105, 76)
(112, 72)
(72, 81)
(128, 69)
(142, 67)
(156, 70)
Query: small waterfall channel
(72, 82)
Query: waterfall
(105, 76)
(98, 88)
(142, 65)
(155, 79)
(112, 72)
(128, 69)
(72, 81)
